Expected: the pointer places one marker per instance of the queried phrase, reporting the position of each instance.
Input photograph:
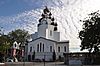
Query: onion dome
(46, 10)
(52, 23)
(40, 19)
(52, 19)
(55, 28)
(55, 24)
(50, 14)
(43, 16)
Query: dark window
(37, 47)
(40, 46)
(50, 48)
(15, 45)
(43, 47)
(30, 49)
(64, 48)
(29, 57)
(58, 49)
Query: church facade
(46, 40)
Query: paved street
(35, 64)
(38, 64)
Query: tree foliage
(5, 43)
(90, 35)
(19, 35)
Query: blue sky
(12, 7)
(10, 12)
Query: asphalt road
(38, 64)
(34, 64)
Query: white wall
(61, 45)
(50, 28)
(46, 52)
(45, 29)
(47, 44)
(56, 36)
(42, 30)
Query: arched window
(43, 47)
(40, 46)
(37, 47)
(30, 49)
(64, 48)
(50, 48)
(58, 49)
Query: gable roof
(44, 38)
(50, 40)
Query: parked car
(10, 60)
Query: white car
(10, 60)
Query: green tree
(90, 34)
(5, 43)
(19, 35)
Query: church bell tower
(47, 28)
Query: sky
(13, 7)
(24, 14)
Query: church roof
(44, 38)
(51, 40)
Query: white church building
(47, 39)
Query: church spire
(46, 14)
(46, 10)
